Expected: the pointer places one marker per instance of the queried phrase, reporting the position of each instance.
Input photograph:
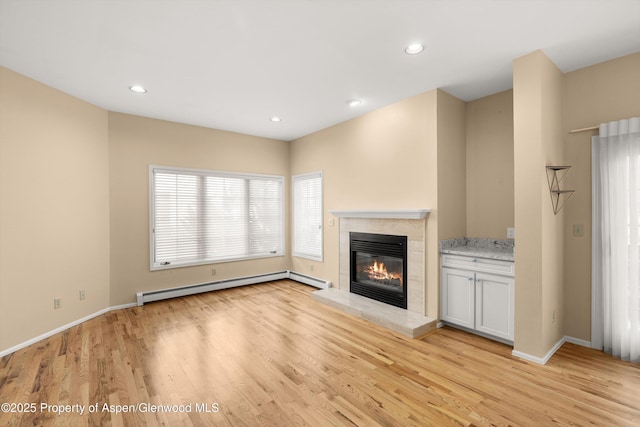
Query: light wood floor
(268, 355)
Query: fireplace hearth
(378, 267)
(411, 321)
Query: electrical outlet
(511, 233)
(553, 320)
(332, 222)
(82, 295)
(213, 272)
(578, 230)
(311, 267)
(57, 303)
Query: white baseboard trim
(556, 347)
(538, 360)
(62, 329)
(577, 341)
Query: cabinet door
(494, 305)
(457, 288)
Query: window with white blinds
(200, 217)
(307, 215)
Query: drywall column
(452, 179)
(452, 160)
(537, 111)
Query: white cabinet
(494, 305)
(458, 297)
(478, 294)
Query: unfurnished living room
(320, 213)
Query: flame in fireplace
(378, 271)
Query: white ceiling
(233, 64)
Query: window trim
(316, 174)
(153, 266)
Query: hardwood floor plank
(269, 355)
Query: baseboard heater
(145, 297)
(309, 280)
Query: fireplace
(378, 267)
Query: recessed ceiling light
(137, 89)
(275, 119)
(354, 102)
(414, 49)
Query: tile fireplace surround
(411, 223)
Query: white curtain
(616, 227)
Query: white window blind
(307, 215)
(199, 217)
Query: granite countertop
(480, 248)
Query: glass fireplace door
(378, 267)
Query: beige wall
(592, 95)
(54, 208)
(489, 126)
(452, 167)
(537, 107)
(407, 155)
(552, 224)
(452, 191)
(386, 159)
(134, 144)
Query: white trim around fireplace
(385, 213)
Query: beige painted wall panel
(54, 208)
(489, 157)
(452, 183)
(452, 166)
(552, 224)
(539, 240)
(592, 95)
(386, 159)
(528, 165)
(136, 143)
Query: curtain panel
(616, 243)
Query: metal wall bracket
(555, 174)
